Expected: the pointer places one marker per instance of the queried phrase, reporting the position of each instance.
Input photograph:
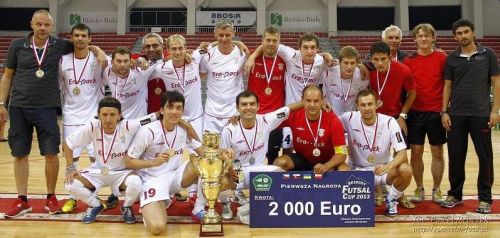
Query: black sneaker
(112, 201)
(128, 215)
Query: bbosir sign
(97, 21)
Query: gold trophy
(211, 169)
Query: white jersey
(132, 92)
(360, 138)
(341, 93)
(224, 81)
(81, 88)
(110, 149)
(298, 75)
(242, 140)
(185, 80)
(152, 140)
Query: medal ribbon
(344, 94)
(317, 130)
(170, 146)
(270, 75)
(39, 60)
(252, 149)
(374, 134)
(106, 157)
(77, 81)
(304, 79)
(181, 82)
(385, 80)
(116, 84)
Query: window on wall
(158, 17)
(16, 19)
(440, 17)
(364, 18)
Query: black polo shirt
(28, 91)
(471, 81)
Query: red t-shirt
(399, 78)
(331, 134)
(257, 83)
(427, 72)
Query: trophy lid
(211, 140)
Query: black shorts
(274, 144)
(299, 163)
(421, 123)
(22, 121)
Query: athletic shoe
(484, 208)
(437, 197)
(69, 205)
(391, 208)
(240, 198)
(452, 202)
(243, 210)
(227, 213)
(19, 207)
(198, 217)
(245, 219)
(404, 202)
(51, 205)
(112, 201)
(91, 213)
(418, 195)
(128, 215)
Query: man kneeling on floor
(111, 137)
(371, 136)
(156, 153)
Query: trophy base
(211, 230)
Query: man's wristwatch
(443, 112)
(403, 115)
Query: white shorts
(379, 179)
(255, 168)
(70, 129)
(214, 124)
(287, 141)
(162, 187)
(113, 180)
(197, 124)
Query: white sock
(193, 189)
(80, 192)
(393, 194)
(134, 186)
(200, 200)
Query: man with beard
(471, 70)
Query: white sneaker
(245, 219)
(243, 210)
(227, 213)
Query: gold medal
(105, 171)
(39, 73)
(171, 152)
(316, 152)
(268, 91)
(371, 158)
(380, 103)
(76, 91)
(158, 91)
